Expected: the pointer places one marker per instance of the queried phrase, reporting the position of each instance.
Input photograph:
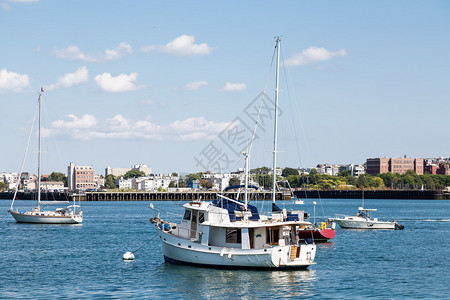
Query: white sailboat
(364, 220)
(69, 215)
(229, 233)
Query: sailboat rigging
(69, 215)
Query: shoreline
(260, 195)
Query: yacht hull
(363, 224)
(45, 218)
(183, 251)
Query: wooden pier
(259, 195)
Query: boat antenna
(277, 46)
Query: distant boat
(229, 233)
(363, 220)
(70, 215)
(298, 201)
(293, 197)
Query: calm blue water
(85, 261)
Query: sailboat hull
(45, 218)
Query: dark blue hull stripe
(178, 262)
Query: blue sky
(164, 82)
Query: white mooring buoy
(128, 256)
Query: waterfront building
(383, 165)
(377, 166)
(117, 172)
(10, 179)
(444, 169)
(99, 181)
(52, 186)
(430, 168)
(327, 169)
(355, 170)
(146, 183)
(80, 177)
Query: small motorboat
(363, 220)
(298, 201)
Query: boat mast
(39, 150)
(246, 154)
(278, 41)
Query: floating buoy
(128, 256)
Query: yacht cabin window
(233, 235)
(187, 215)
(201, 217)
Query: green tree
(345, 173)
(134, 174)
(110, 182)
(3, 186)
(206, 184)
(364, 181)
(234, 181)
(313, 172)
(173, 184)
(289, 171)
(377, 182)
(58, 176)
(194, 176)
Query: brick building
(377, 165)
(383, 165)
(443, 169)
(80, 177)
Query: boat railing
(184, 232)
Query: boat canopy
(236, 205)
(230, 187)
(366, 209)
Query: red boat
(322, 234)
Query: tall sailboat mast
(39, 150)
(274, 182)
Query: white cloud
(231, 87)
(312, 55)
(120, 83)
(74, 53)
(71, 79)
(88, 127)
(195, 85)
(11, 81)
(181, 46)
(73, 122)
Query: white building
(148, 183)
(10, 179)
(117, 172)
(327, 169)
(355, 170)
